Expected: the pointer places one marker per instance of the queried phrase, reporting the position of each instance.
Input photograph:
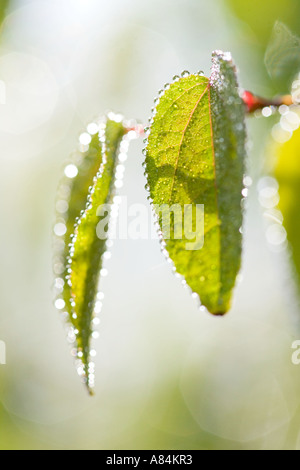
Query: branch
(254, 102)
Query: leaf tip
(91, 391)
(220, 313)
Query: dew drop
(107, 255)
(267, 111)
(58, 268)
(132, 135)
(62, 206)
(98, 307)
(73, 352)
(85, 139)
(60, 304)
(283, 109)
(60, 229)
(71, 171)
(185, 74)
(245, 192)
(93, 128)
(118, 184)
(247, 181)
(59, 283)
(122, 157)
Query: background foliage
(168, 375)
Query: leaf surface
(195, 156)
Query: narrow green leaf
(71, 201)
(195, 156)
(88, 248)
(82, 258)
(287, 173)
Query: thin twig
(253, 102)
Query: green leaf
(82, 260)
(287, 173)
(195, 155)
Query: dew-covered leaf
(287, 173)
(81, 259)
(71, 201)
(195, 156)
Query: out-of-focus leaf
(3, 9)
(195, 155)
(260, 16)
(80, 260)
(282, 58)
(287, 173)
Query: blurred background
(167, 375)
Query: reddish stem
(254, 102)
